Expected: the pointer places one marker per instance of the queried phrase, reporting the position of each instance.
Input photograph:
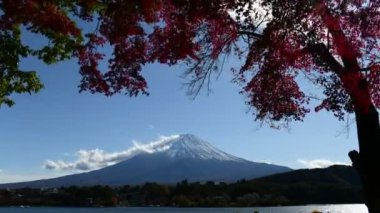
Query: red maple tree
(334, 43)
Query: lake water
(292, 209)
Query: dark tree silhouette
(334, 43)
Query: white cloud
(320, 163)
(98, 158)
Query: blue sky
(58, 122)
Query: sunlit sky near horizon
(58, 122)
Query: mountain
(182, 157)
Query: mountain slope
(183, 157)
(336, 184)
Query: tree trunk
(366, 161)
(367, 117)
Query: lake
(357, 208)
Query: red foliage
(38, 15)
(92, 77)
(334, 43)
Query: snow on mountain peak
(190, 146)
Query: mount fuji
(169, 161)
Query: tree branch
(250, 34)
(345, 51)
(321, 51)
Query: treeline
(262, 192)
